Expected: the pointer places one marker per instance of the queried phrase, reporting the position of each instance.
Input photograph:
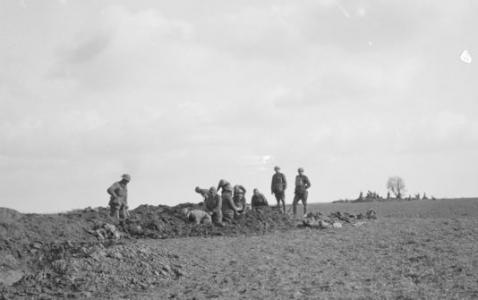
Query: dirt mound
(170, 222)
(84, 253)
(81, 252)
(67, 270)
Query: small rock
(359, 224)
(337, 225)
(36, 245)
(167, 268)
(163, 272)
(8, 278)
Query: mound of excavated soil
(169, 222)
(59, 254)
(85, 253)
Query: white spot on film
(466, 57)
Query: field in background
(447, 208)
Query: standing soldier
(229, 209)
(118, 192)
(278, 186)
(302, 184)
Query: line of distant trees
(396, 188)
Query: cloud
(181, 98)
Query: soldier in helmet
(258, 200)
(229, 209)
(278, 186)
(118, 192)
(239, 197)
(302, 184)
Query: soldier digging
(118, 192)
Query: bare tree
(396, 185)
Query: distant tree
(396, 185)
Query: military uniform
(213, 204)
(228, 207)
(302, 184)
(258, 200)
(278, 187)
(239, 197)
(118, 203)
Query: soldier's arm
(307, 182)
(203, 192)
(112, 190)
(284, 181)
(232, 204)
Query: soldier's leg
(283, 201)
(121, 212)
(114, 211)
(126, 211)
(304, 201)
(277, 195)
(294, 204)
(228, 216)
(217, 217)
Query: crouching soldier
(258, 200)
(197, 216)
(118, 192)
(229, 209)
(212, 204)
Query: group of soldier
(224, 207)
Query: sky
(183, 93)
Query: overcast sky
(184, 93)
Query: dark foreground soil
(425, 251)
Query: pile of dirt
(170, 222)
(67, 270)
(83, 251)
